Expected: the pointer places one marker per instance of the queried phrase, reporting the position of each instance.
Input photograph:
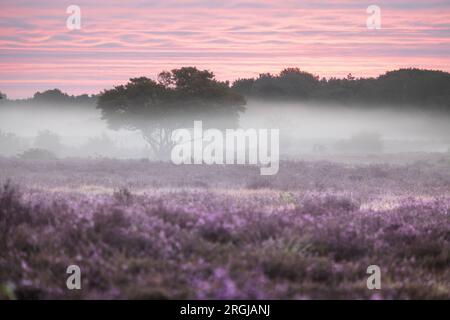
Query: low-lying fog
(304, 129)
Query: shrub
(99, 146)
(48, 140)
(259, 183)
(328, 205)
(12, 212)
(123, 195)
(362, 142)
(10, 144)
(37, 154)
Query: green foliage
(7, 291)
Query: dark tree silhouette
(404, 87)
(179, 97)
(289, 84)
(57, 97)
(50, 96)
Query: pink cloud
(119, 40)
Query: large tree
(158, 108)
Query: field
(141, 230)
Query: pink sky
(123, 39)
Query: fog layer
(304, 128)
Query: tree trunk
(160, 141)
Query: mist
(308, 127)
(305, 128)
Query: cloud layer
(123, 39)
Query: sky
(122, 39)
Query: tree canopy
(56, 96)
(175, 100)
(426, 89)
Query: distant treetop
(416, 87)
(403, 87)
(56, 96)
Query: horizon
(231, 82)
(237, 39)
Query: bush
(123, 195)
(99, 146)
(362, 142)
(328, 205)
(12, 212)
(10, 144)
(48, 140)
(259, 183)
(37, 154)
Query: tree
(51, 96)
(178, 98)
(298, 84)
(56, 97)
(290, 83)
(404, 87)
(415, 87)
(244, 86)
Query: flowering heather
(143, 230)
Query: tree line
(53, 97)
(404, 87)
(178, 97)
